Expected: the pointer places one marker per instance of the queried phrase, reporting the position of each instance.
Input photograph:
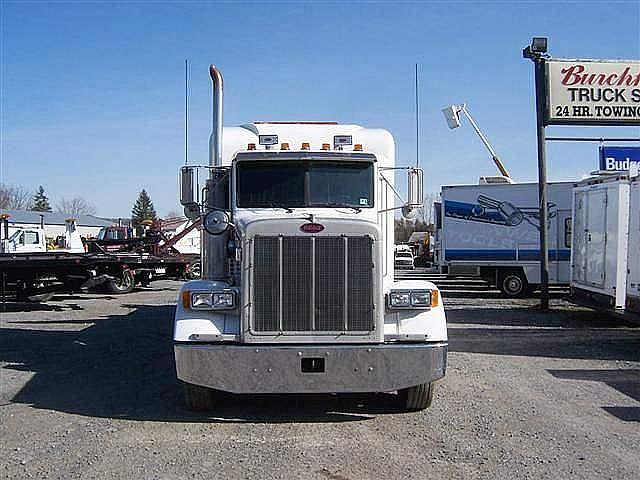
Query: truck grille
(313, 284)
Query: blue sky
(93, 101)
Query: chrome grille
(266, 275)
(313, 284)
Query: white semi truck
(493, 229)
(298, 292)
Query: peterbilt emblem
(312, 227)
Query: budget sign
(596, 92)
(619, 159)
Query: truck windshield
(291, 184)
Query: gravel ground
(88, 390)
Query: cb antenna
(417, 122)
(186, 111)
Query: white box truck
(494, 230)
(297, 292)
(600, 241)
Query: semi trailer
(633, 263)
(605, 270)
(297, 292)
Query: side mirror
(414, 193)
(414, 188)
(187, 186)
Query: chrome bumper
(310, 369)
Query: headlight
(399, 299)
(404, 299)
(201, 300)
(212, 300)
(223, 300)
(421, 299)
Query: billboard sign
(593, 92)
(619, 159)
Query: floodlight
(537, 49)
(452, 115)
(539, 45)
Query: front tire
(416, 398)
(513, 284)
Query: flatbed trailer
(37, 276)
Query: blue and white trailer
(493, 230)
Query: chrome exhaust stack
(214, 251)
(215, 140)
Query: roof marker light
(357, 147)
(284, 146)
(251, 146)
(305, 146)
(326, 146)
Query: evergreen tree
(142, 210)
(40, 201)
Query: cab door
(596, 237)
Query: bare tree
(427, 208)
(75, 206)
(14, 197)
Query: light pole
(537, 53)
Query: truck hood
(342, 221)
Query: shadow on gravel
(494, 294)
(50, 306)
(579, 334)
(122, 367)
(626, 381)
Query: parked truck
(152, 241)
(493, 230)
(33, 269)
(298, 292)
(604, 263)
(33, 239)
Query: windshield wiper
(339, 205)
(279, 205)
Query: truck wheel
(193, 270)
(121, 284)
(198, 398)
(513, 284)
(416, 398)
